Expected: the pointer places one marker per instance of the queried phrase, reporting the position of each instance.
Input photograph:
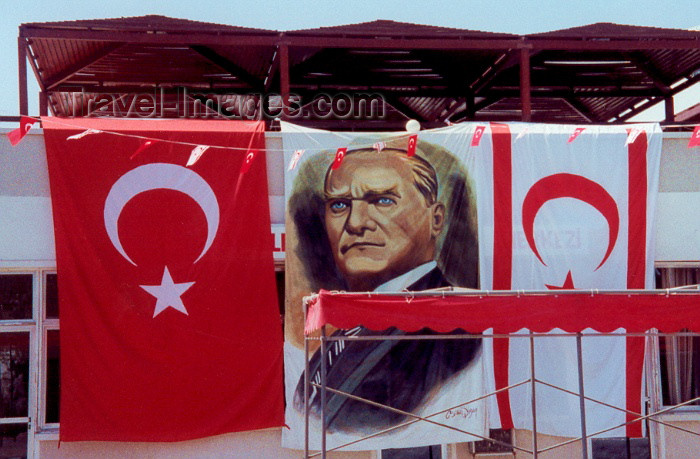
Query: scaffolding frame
(651, 364)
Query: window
(423, 452)
(680, 355)
(28, 352)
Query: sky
(511, 16)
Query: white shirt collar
(402, 282)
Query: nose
(360, 219)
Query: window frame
(38, 327)
(656, 380)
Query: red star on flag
(568, 284)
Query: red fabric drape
(603, 312)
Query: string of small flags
(26, 122)
(198, 150)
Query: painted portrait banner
(382, 212)
(558, 207)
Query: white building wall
(26, 240)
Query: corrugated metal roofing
(153, 23)
(595, 73)
(386, 28)
(607, 30)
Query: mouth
(359, 245)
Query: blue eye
(338, 206)
(384, 201)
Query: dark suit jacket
(398, 373)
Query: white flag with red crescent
(557, 214)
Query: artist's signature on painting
(463, 412)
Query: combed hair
(424, 175)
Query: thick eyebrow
(368, 195)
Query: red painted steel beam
(22, 74)
(151, 38)
(525, 84)
(284, 76)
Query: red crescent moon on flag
(160, 176)
(569, 186)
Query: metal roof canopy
(597, 73)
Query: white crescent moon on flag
(160, 176)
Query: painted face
(378, 223)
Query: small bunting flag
(478, 133)
(575, 134)
(83, 134)
(339, 156)
(632, 135)
(25, 124)
(249, 158)
(521, 134)
(695, 138)
(144, 145)
(295, 159)
(197, 153)
(412, 140)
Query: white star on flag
(168, 293)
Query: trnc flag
(25, 124)
(169, 318)
(569, 215)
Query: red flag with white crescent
(476, 137)
(169, 316)
(411, 149)
(339, 156)
(695, 138)
(248, 160)
(25, 124)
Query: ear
(437, 219)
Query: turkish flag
(569, 215)
(339, 156)
(25, 124)
(411, 149)
(476, 137)
(170, 328)
(695, 138)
